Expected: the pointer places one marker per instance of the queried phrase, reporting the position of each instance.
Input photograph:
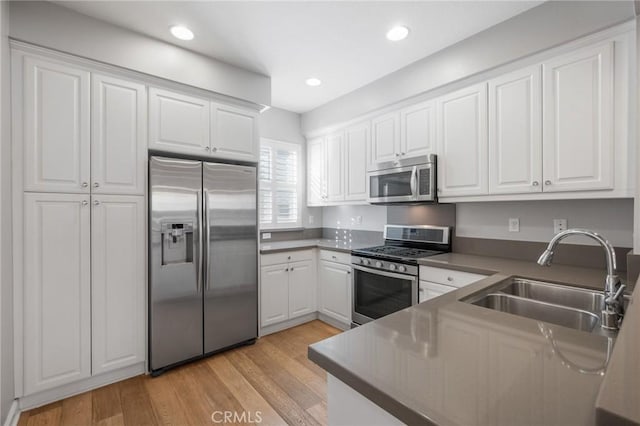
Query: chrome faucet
(613, 311)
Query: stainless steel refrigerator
(203, 259)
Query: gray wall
(49, 25)
(6, 277)
(373, 218)
(284, 126)
(537, 29)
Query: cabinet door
(56, 127)
(418, 130)
(57, 290)
(118, 145)
(335, 290)
(356, 148)
(178, 123)
(578, 120)
(117, 281)
(428, 290)
(385, 138)
(462, 139)
(316, 172)
(302, 288)
(274, 294)
(234, 133)
(335, 167)
(515, 132)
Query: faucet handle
(618, 293)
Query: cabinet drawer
(286, 256)
(448, 277)
(336, 256)
(428, 290)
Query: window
(279, 176)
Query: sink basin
(567, 306)
(542, 311)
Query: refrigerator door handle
(200, 241)
(207, 239)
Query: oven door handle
(414, 182)
(385, 273)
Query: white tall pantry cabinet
(81, 139)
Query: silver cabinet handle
(547, 182)
(96, 203)
(85, 202)
(206, 279)
(200, 219)
(535, 183)
(85, 184)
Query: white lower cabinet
(287, 290)
(57, 290)
(428, 290)
(84, 287)
(335, 290)
(118, 267)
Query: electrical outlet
(358, 220)
(514, 224)
(559, 225)
(266, 235)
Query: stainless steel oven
(377, 292)
(404, 181)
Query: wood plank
(135, 402)
(164, 400)
(250, 399)
(77, 410)
(106, 403)
(319, 412)
(48, 415)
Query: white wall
(6, 279)
(537, 29)
(373, 217)
(284, 126)
(49, 25)
(611, 218)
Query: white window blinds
(279, 192)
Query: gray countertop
(449, 362)
(324, 243)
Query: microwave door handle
(414, 182)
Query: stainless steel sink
(571, 307)
(555, 314)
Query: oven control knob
(392, 267)
(402, 268)
(378, 264)
(366, 261)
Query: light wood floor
(273, 376)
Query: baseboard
(65, 391)
(13, 415)
(333, 322)
(270, 329)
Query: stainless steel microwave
(404, 181)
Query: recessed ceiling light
(183, 33)
(398, 33)
(313, 82)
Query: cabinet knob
(85, 202)
(96, 203)
(96, 185)
(348, 272)
(403, 154)
(535, 183)
(291, 269)
(206, 148)
(421, 290)
(449, 278)
(286, 270)
(547, 182)
(289, 257)
(214, 149)
(85, 184)
(397, 154)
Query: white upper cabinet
(462, 140)
(578, 120)
(356, 149)
(117, 281)
(335, 166)
(234, 133)
(418, 130)
(316, 172)
(385, 138)
(118, 146)
(515, 132)
(178, 123)
(56, 125)
(57, 290)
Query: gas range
(403, 246)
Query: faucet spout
(612, 315)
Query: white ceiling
(341, 42)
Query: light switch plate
(559, 225)
(514, 224)
(266, 235)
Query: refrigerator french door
(203, 287)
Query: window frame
(275, 143)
